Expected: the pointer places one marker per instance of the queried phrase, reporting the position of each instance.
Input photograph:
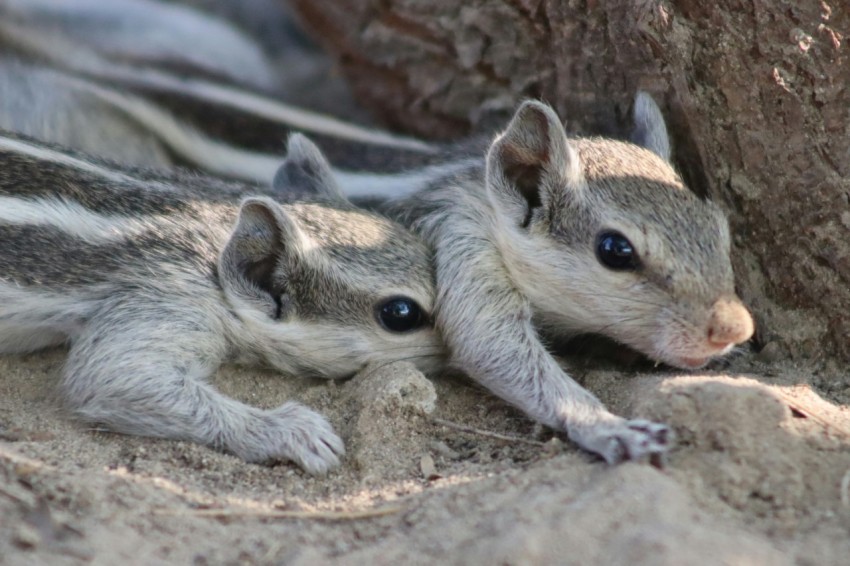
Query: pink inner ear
(532, 154)
(532, 128)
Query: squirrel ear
(533, 153)
(264, 236)
(306, 172)
(650, 131)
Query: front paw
(293, 432)
(616, 440)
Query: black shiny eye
(615, 251)
(400, 314)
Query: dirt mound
(437, 472)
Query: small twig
(845, 489)
(28, 465)
(278, 514)
(487, 433)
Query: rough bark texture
(756, 93)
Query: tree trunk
(756, 94)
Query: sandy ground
(759, 475)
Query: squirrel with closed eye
(153, 281)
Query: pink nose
(730, 323)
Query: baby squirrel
(544, 236)
(68, 78)
(551, 236)
(154, 281)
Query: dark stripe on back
(46, 256)
(246, 131)
(26, 176)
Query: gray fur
(305, 172)
(515, 240)
(86, 75)
(154, 285)
(69, 107)
(145, 33)
(650, 131)
(38, 102)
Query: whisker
(619, 298)
(629, 296)
(605, 327)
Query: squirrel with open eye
(153, 281)
(550, 236)
(535, 236)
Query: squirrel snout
(730, 323)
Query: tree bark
(756, 94)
